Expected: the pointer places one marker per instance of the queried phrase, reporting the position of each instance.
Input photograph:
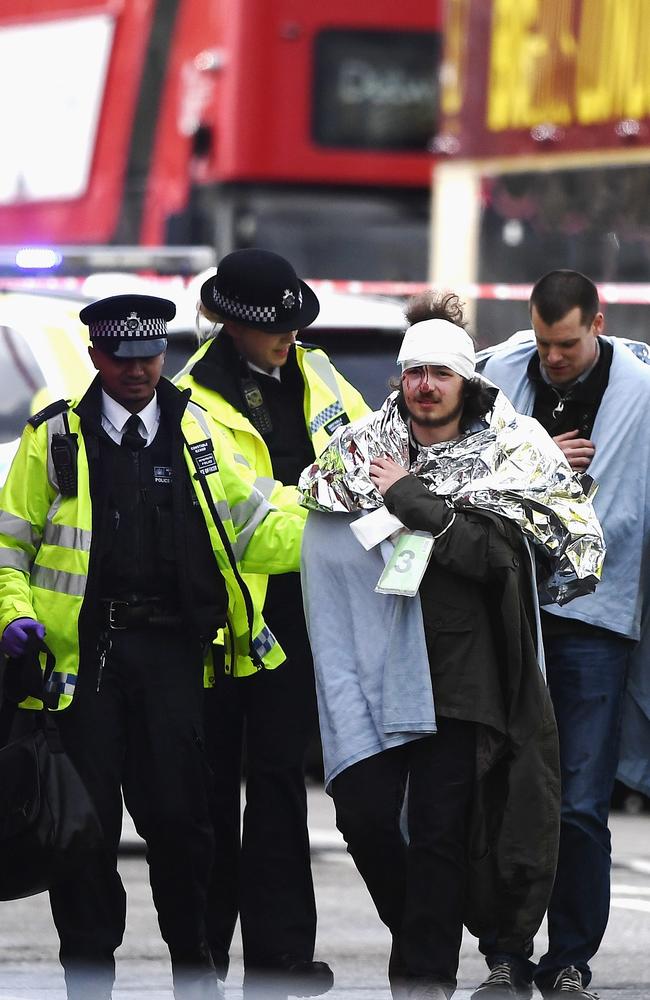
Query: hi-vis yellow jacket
(46, 539)
(329, 402)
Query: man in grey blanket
(482, 810)
(592, 395)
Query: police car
(43, 345)
(43, 357)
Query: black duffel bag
(47, 819)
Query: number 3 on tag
(406, 567)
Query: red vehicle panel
(246, 71)
(205, 108)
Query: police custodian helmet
(261, 290)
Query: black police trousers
(267, 878)
(140, 733)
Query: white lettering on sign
(361, 83)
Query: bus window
(592, 219)
(375, 89)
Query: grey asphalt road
(350, 936)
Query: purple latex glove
(16, 635)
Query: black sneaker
(568, 984)
(503, 983)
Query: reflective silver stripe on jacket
(240, 458)
(260, 511)
(242, 512)
(265, 485)
(246, 514)
(264, 641)
(223, 510)
(72, 584)
(15, 559)
(184, 371)
(199, 415)
(223, 507)
(321, 365)
(18, 528)
(67, 537)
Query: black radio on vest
(258, 413)
(64, 459)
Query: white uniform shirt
(115, 416)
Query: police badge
(133, 324)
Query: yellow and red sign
(521, 76)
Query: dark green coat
(478, 613)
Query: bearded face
(434, 397)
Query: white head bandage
(438, 342)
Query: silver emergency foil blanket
(510, 467)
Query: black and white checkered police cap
(129, 326)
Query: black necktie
(131, 437)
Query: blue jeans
(586, 676)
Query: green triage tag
(405, 568)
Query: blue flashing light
(38, 258)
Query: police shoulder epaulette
(48, 412)
(308, 347)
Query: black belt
(139, 614)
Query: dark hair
(558, 292)
(478, 402)
(435, 305)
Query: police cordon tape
(626, 294)
(609, 292)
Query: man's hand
(577, 451)
(16, 635)
(384, 472)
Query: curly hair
(435, 305)
(478, 398)
(478, 401)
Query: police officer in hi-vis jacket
(125, 524)
(279, 402)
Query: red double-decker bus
(294, 125)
